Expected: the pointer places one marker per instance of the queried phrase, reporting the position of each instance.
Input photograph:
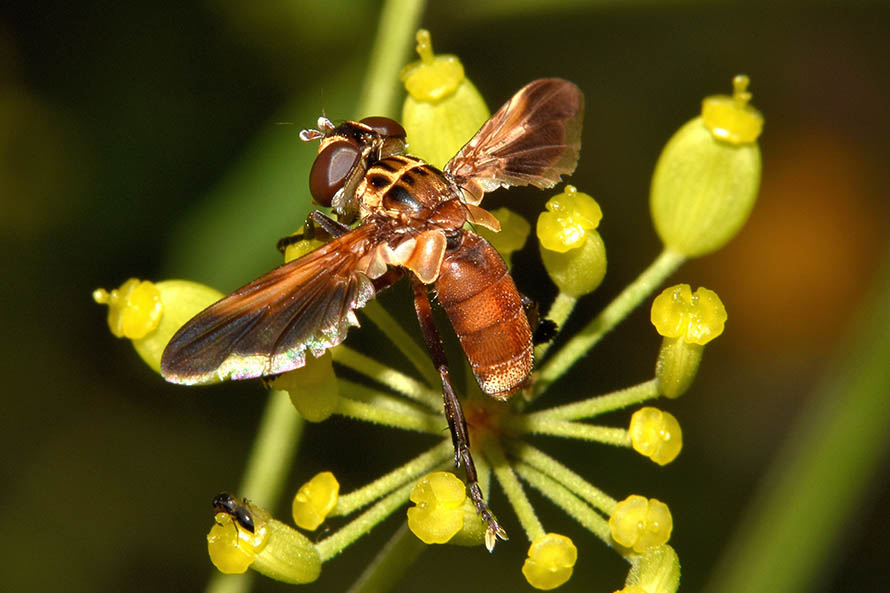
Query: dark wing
(532, 140)
(266, 327)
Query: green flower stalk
(703, 189)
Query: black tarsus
(543, 329)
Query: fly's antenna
(324, 126)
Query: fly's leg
(318, 225)
(460, 436)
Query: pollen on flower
(569, 218)
(656, 435)
(696, 317)
(639, 523)
(550, 562)
(438, 513)
(232, 548)
(134, 309)
(315, 500)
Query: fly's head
(345, 153)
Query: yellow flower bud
(134, 309)
(550, 562)
(512, 236)
(657, 570)
(707, 177)
(272, 549)
(732, 119)
(687, 321)
(571, 249)
(639, 524)
(438, 513)
(315, 500)
(443, 109)
(656, 435)
(150, 313)
(313, 388)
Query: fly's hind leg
(457, 423)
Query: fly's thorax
(403, 187)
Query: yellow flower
(571, 248)
(272, 548)
(150, 313)
(687, 321)
(315, 500)
(639, 524)
(550, 562)
(443, 109)
(438, 513)
(656, 434)
(313, 388)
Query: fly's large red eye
(388, 128)
(331, 168)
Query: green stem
(599, 404)
(399, 20)
(567, 501)
(391, 563)
(513, 489)
(343, 537)
(280, 429)
(267, 466)
(388, 376)
(380, 399)
(409, 472)
(663, 266)
(608, 435)
(427, 423)
(575, 483)
(559, 313)
(395, 333)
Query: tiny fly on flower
(411, 221)
(228, 504)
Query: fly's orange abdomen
(486, 312)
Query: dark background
(122, 125)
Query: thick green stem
(665, 265)
(399, 20)
(832, 460)
(270, 460)
(391, 563)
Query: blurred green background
(138, 139)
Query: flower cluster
(702, 191)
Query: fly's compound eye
(387, 128)
(331, 169)
(392, 133)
